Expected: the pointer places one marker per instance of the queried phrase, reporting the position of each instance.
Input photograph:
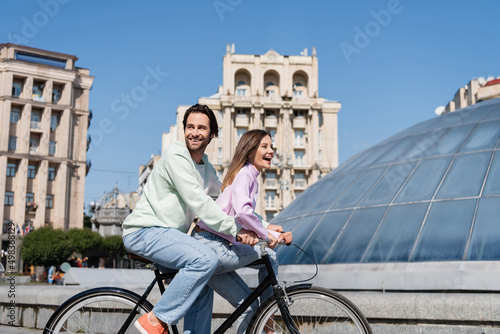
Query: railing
(300, 183)
(271, 183)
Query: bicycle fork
(279, 294)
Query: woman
(254, 153)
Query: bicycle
(300, 308)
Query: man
(180, 187)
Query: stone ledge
(394, 309)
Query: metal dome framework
(429, 193)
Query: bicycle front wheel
(311, 310)
(101, 310)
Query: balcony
(270, 122)
(111, 215)
(271, 183)
(35, 125)
(37, 98)
(242, 121)
(299, 123)
(300, 183)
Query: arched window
(299, 84)
(271, 84)
(243, 82)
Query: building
(111, 210)
(44, 108)
(475, 91)
(280, 94)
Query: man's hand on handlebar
(247, 237)
(285, 237)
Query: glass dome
(429, 193)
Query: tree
(46, 247)
(115, 247)
(87, 223)
(84, 239)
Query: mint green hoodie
(176, 192)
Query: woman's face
(262, 157)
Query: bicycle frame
(270, 280)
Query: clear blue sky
(390, 63)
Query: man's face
(197, 133)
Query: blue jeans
(226, 282)
(171, 250)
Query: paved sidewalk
(4, 329)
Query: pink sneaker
(144, 326)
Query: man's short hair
(214, 127)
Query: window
(299, 138)
(299, 113)
(219, 156)
(6, 225)
(31, 171)
(17, 88)
(38, 91)
(56, 93)
(299, 158)
(35, 120)
(239, 133)
(241, 92)
(270, 179)
(11, 169)
(34, 142)
(221, 133)
(300, 180)
(51, 173)
(269, 92)
(52, 147)
(54, 122)
(9, 198)
(30, 198)
(297, 89)
(319, 137)
(270, 199)
(15, 115)
(319, 156)
(273, 136)
(49, 201)
(12, 143)
(221, 116)
(270, 113)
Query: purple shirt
(238, 201)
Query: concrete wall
(390, 312)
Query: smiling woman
(253, 154)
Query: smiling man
(179, 188)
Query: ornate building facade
(44, 116)
(279, 94)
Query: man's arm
(185, 182)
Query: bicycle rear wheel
(313, 310)
(101, 310)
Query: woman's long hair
(247, 145)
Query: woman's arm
(242, 202)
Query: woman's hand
(285, 237)
(276, 228)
